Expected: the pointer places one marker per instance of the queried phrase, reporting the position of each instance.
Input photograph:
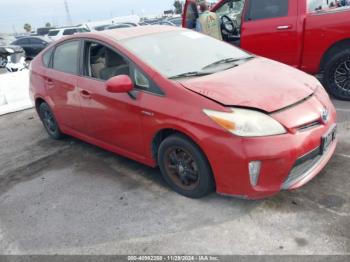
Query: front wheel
(184, 167)
(337, 75)
(49, 121)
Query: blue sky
(15, 13)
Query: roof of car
(67, 27)
(138, 31)
(33, 36)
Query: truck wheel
(337, 75)
(184, 167)
(49, 121)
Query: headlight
(247, 123)
(9, 50)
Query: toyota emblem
(325, 115)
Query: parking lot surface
(69, 197)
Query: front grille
(302, 167)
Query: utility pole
(69, 18)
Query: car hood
(259, 83)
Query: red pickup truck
(312, 35)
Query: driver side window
(231, 8)
(104, 63)
(266, 9)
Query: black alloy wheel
(49, 121)
(185, 167)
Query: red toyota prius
(210, 115)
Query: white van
(57, 33)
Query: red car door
(269, 29)
(111, 118)
(61, 86)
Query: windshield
(179, 52)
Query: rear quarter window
(47, 57)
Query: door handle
(284, 27)
(49, 83)
(85, 94)
(147, 113)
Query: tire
(189, 173)
(49, 121)
(337, 75)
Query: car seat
(115, 65)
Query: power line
(69, 18)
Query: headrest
(113, 59)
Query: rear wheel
(49, 121)
(337, 75)
(184, 167)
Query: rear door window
(265, 9)
(103, 63)
(53, 33)
(66, 57)
(70, 31)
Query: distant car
(227, 121)
(12, 57)
(152, 21)
(57, 33)
(101, 27)
(124, 25)
(32, 45)
(176, 21)
(165, 22)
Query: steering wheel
(229, 26)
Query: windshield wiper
(189, 74)
(227, 61)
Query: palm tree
(48, 24)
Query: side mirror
(119, 84)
